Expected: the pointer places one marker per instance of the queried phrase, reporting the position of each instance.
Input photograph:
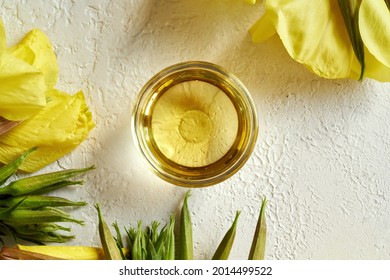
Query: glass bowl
(195, 124)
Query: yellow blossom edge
(36, 49)
(22, 89)
(2, 38)
(66, 252)
(374, 68)
(22, 86)
(56, 130)
(374, 25)
(263, 29)
(313, 38)
(318, 38)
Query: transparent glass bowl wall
(218, 171)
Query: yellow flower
(314, 34)
(36, 50)
(22, 86)
(57, 129)
(53, 121)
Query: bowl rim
(186, 180)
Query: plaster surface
(322, 155)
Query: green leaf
(170, 240)
(138, 250)
(9, 169)
(224, 248)
(4, 213)
(118, 239)
(110, 248)
(152, 254)
(257, 250)
(185, 234)
(43, 183)
(160, 243)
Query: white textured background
(322, 156)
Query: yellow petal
(42, 157)
(374, 68)
(2, 38)
(374, 25)
(263, 29)
(35, 49)
(66, 252)
(57, 129)
(314, 34)
(22, 89)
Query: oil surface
(194, 123)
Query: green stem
(350, 12)
(388, 4)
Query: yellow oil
(166, 163)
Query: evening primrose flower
(22, 86)
(56, 130)
(36, 50)
(318, 34)
(54, 121)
